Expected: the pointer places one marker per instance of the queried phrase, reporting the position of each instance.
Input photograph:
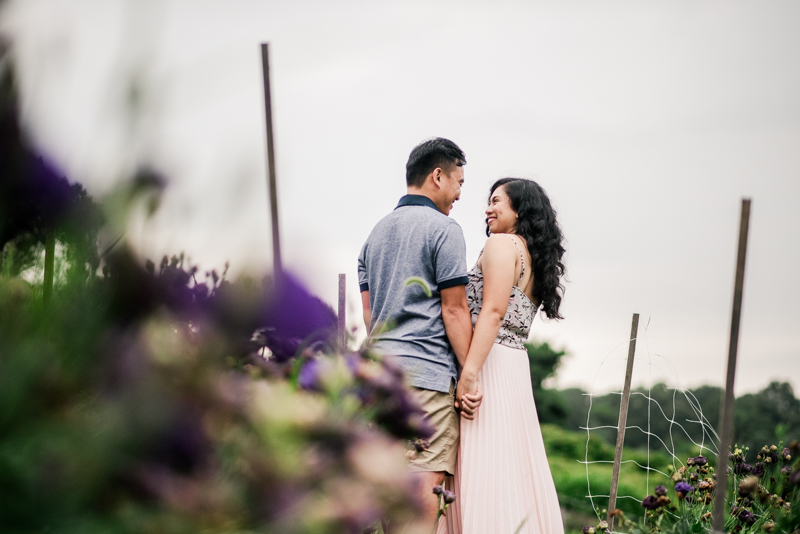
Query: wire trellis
(708, 440)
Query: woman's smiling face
(500, 216)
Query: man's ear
(437, 176)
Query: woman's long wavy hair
(538, 226)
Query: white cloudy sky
(645, 122)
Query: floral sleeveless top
(519, 315)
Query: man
(424, 334)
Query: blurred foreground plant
(134, 404)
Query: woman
(503, 481)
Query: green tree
(544, 362)
(766, 417)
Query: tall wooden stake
(49, 265)
(623, 420)
(341, 328)
(273, 192)
(726, 415)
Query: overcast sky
(645, 122)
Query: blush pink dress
(502, 480)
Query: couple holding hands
(487, 434)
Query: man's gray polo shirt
(416, 239)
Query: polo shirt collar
(416, 200)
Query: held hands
(468, 396)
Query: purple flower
(758, 469)
(588, 530)
(683, 488)
(742, 469)
(437, 490)
(699, 461)
(747, 517)
(661, 490)
(650, 502)
(449, 496)
(786, 470)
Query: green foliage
(566, 450)
(544, 362)
(771, 415)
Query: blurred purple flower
(293, 317)
(588, 530)
(183, 445)
(650, 502)
(449, 496)
(309, 376)
(661, 490)
(786, 470)
(421, 444)
(381, 386)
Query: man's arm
(457, 320)
(366, 310)
(458, 326)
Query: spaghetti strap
(521, 257)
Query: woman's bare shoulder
(500, 245)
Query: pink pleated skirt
(503, 481)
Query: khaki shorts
(439, 412)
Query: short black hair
(430, 154)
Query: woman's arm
(499, 267)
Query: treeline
(766, 417)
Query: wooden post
(273, 192)
(49, 265)
(623, 420)
(341, 328)
(726, 414)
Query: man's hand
(468, 396)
